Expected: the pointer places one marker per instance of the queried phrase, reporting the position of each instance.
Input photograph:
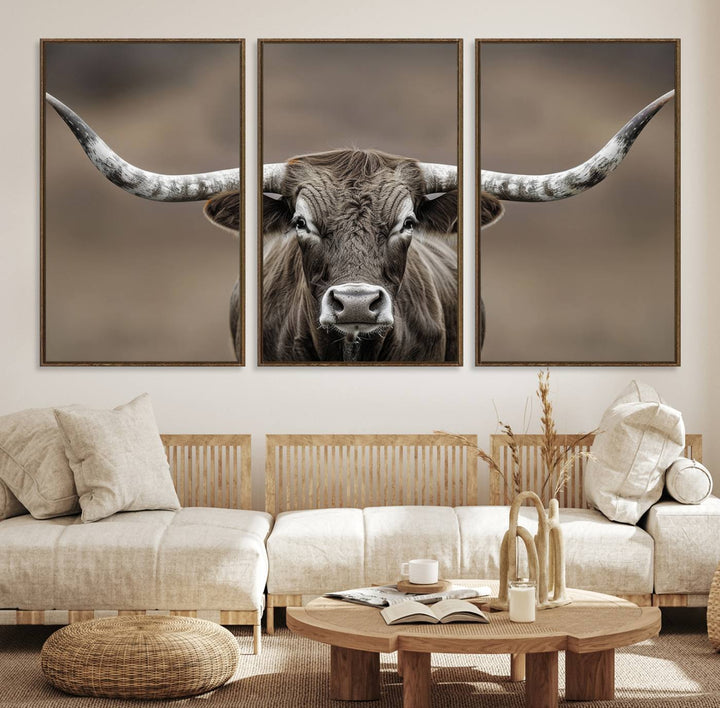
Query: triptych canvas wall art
(590, 278)
(360, 148)
(147, 279)
(359, 203)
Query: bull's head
(354, 215)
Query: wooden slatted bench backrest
(211, 470)
(533, 472)
(320, 471)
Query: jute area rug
(676, 670)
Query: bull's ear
(491, 209)
(277, 214)
(224, 210)
(439, 212)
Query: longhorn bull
(370, 273)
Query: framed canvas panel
(142, 149)
(578, 152)
(360, 170)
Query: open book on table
(388, 595)
(440, 613)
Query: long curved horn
(438, 178)
(560, 185)
(149, 185)
(273, 176)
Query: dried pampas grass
(558, 460)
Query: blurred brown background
(400, 97)
(129, 279)
(590, 278)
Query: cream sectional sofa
(311, 552)
(207, 560)
(669, 560)
(358, 536)
(201, 559)
(347, 510)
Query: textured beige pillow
(33, 464)
(117, 458)
(639, 436)
(9, 503)
(688, 482)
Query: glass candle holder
(521, 600)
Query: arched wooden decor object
(546, 554)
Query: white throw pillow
(33, 464)
(117, 458)
(639, 436)
(688, 482)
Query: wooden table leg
(354, 674)
(590, 677)
(517, 667)
(541, 684)
(400, 662)
(416, 679)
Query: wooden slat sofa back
(319, 471)
(211, 470)
(532, 471)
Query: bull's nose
(356, 304)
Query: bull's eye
(409, 224)
(300, 223)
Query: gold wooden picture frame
(592, 280)
(359, 250)
(126, 280)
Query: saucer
(439, 586)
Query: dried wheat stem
(567, 469)
(487, 459)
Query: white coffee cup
(421, 571)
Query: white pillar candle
(521, 601)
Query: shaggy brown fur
(354, 195)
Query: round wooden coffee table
(588, 631)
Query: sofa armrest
(687, 545)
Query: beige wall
(256, 400)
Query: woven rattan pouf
(140, 657)
(713, 611)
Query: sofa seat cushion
(394, 534)
(314, 551)
(687, 545)
(600, 555)
(194, 558)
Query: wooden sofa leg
(257, 635)
(269, 615)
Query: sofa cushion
(314, 551)
(600, 555)
(640, 436)
(687, 550)
(688, 481)
(117, 459)
(195, 558)
(394, 534)
(34, 466)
